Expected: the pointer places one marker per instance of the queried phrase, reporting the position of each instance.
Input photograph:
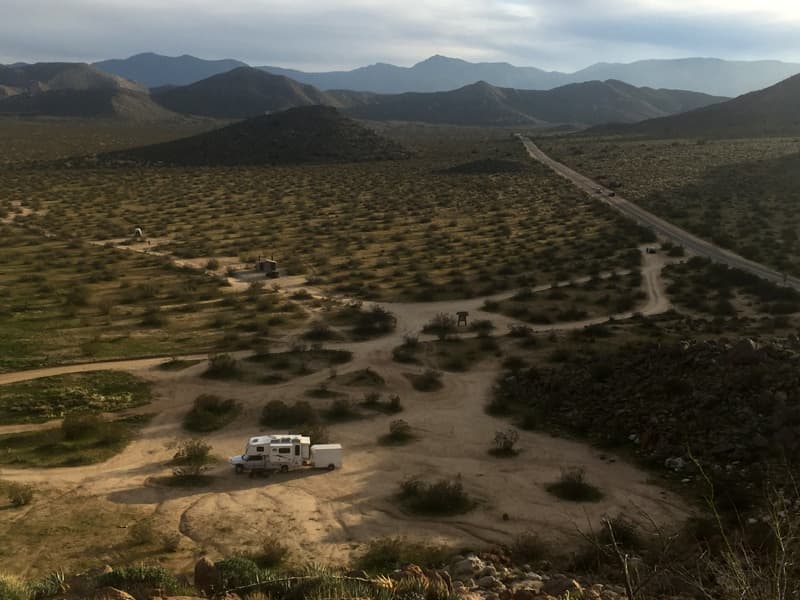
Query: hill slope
(74, 90)
(769, 112)
(154, 70)
(122, 104)
(482, 104)
(245, 92)
(312, 134)
(45, 77)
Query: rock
(488, 570)
(558, 586)
(110, 593)
(525, 595)
(206, 576)
(533, 576)
(488, 582)
(466, 567)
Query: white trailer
(284, 452)
(326, 456)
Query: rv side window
(284, 450)
(259, 448)
(297, 450)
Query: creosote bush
(210, 413)
(444, 497)
(191, 459)
(572, 486)
(277, 413)
(442, 326)
(399, 433)
(388, 553)
(504, 443)
(222, 366)
(19, 494)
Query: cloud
(328, 34)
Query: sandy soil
(326, 515)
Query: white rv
(285, 451)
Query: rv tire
(331, 467)
(284, 468)
(239, 469)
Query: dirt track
(329, 513)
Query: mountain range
(590, 103)
(439, 73)
(247, 91)
(769, 112)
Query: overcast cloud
(342, 34)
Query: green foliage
(382, 555)
(13, 588)
(140, 580)
(53, 397)
(239, 571)
(52, 584)
(443, 497)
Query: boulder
(488, 582)
(466, 567)
(206, 576)
(744, 352)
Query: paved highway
(661, 227)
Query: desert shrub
(13, 588)
(272, 552)
(444, 497)
(191, 458)
(388, 553)
(374, 322)
(222, 366)
(212, 264)
(442, 326)
(572, 486)
(19, 494)
(528, 547)
(277, 413)
(482, 327)
(142, 532)
(428, 381)
(52, 584)
(504, 442)
(320, 332)
(399, 433)
(210, 413)
(317, 432)
(238, 571)
(153, 317)
(141, 581)
(80, 427)
(394, 405)
(341, 410)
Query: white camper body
(281, 451)
(284, 452)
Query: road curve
(659, 226)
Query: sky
(342, 34)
